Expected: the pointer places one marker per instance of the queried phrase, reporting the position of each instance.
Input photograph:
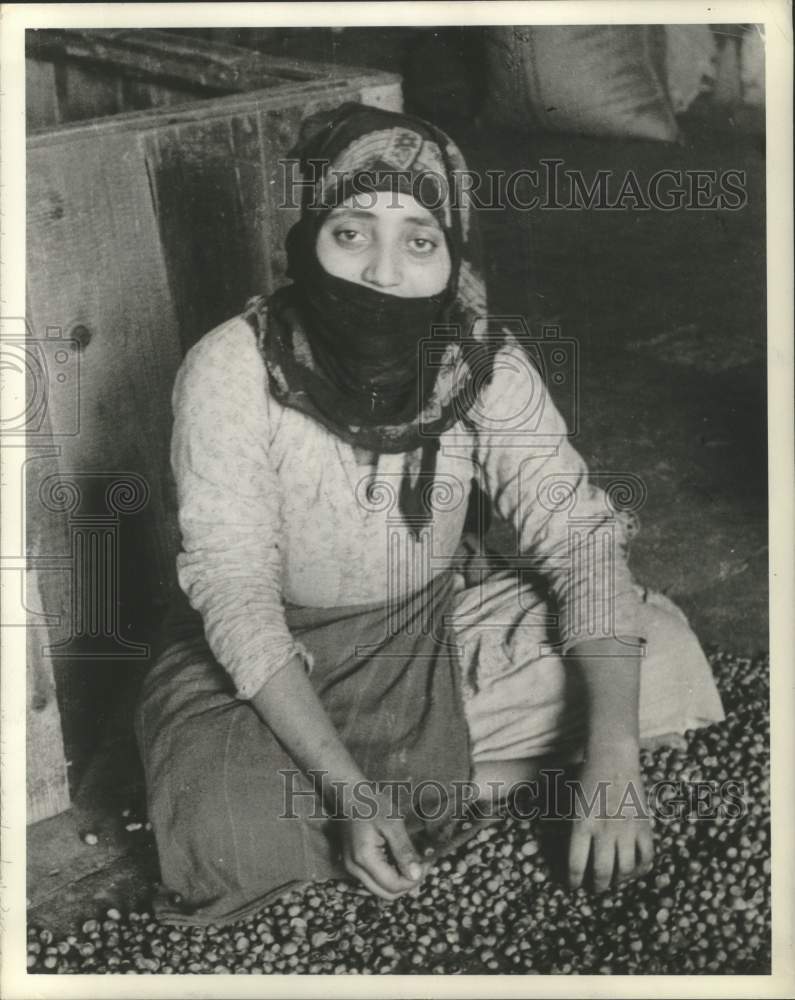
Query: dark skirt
(236, 824)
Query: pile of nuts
(496, 905)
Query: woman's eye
(423, 245)
(348, 236)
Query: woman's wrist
(616, 750)
(343, 795)
(612, 682)
(289, 706)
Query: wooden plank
(383, 87)
(95, 263)
(87, 93)
(95, 272)
(382, 95)
(208, 190)
(280, 129)
(29, 455)
(184, 55)
(152, 95)
(154, 56)
(41, 99)
(45, 545)
(47, 783)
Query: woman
(333, 631)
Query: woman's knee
(677, 689)
(670, 641)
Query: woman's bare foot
(674, 740)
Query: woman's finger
(625, 856)
(604, 861)
(367, 880)
(406, 857)
(370, 883)
(645, 846)
(579, 850)
(371, 857)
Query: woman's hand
(378, 852)
(376, 847)
(612, 825)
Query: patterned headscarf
(337, 150)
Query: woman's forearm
(612, 682)
(288, 704)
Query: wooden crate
(149, 222)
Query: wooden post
(47, 782)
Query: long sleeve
(229, 506)
(566, 528)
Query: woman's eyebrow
(359, 213)
(419, 220)
(362, 213)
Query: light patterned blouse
(275, 509)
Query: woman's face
(387, 241)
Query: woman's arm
(229, 505)
(614, 832)
(578, 545)
(566, 529)
(376, 850)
